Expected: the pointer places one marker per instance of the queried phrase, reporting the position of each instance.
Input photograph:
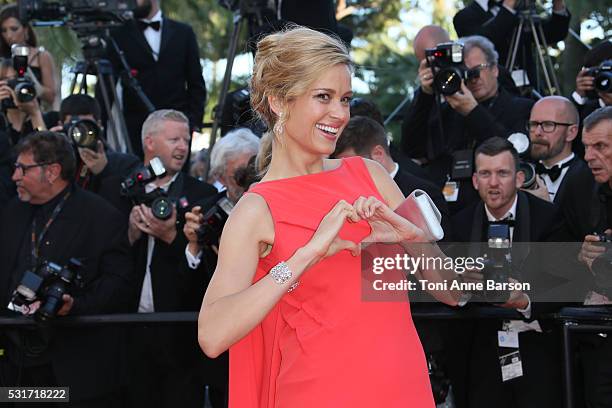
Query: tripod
(531, 23)
(94, 45)
(246, 9)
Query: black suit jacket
(423, 138)
(474, 20)
(174, 81)
(175, 286)
(90, 229)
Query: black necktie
(554, 172)
(491, 4)
(143, 25)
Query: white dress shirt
(154, 37)
(553, 186)
(146, 295)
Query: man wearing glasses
(553, 126)
(53, 220)
(444, 138)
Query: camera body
(446, 62)
(522, 145)
(158, 200)
(75, 10)
(24, 88)
(83, 132)
(47, 283)
(603, 76)
(214, 221)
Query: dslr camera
(83, 132)
(522, 145)
(133, 187)
(214, 221)
(446, 62)
(603, 76)
(76, 11)
(21, 84)
(47, 283)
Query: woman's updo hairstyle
(286, 65)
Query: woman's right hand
(325, 241)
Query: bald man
(553, 125)
(428, 37)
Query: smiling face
(598, 150)
(497, 181)
(317, 117)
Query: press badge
(511, 366)
(463, 161)
(451, 191)
(506, 338)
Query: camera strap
(35, 247)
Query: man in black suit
(444, 139)
(165, 57)
(54, 220)
(497, 20)
(553, 126)
(595, 351)
(162, 360)
(476, 372)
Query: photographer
(590, 95)
(230, 156)
(497, 20)
(41, 68)
(444, 136)
(162, 360)
(165, 58)
(63, 222)
(95, 163)
(476, 373)
(595, 350)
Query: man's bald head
(564, 109)
(428, 37)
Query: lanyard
(36, 242)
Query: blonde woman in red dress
(286, 295)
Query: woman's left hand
(387, 226)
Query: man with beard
(163, 54)
(553, 126)
(161, 359)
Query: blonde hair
(287, 63)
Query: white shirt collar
(510, 214)
(152, 186)
(483, 3)
(395, 170)
(562, 161)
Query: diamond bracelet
(282, 274)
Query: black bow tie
(554, 172)
(143, 25)
(505, 221)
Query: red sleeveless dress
(321, 345)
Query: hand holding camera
(426, 77)
(193, 223)
(462, 101)
(143, 220)
(591, 249)
(95, 160)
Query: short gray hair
(235, 143)
(485, 45)
(153, 122)
(597, 117)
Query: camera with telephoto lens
(522, 145)
(47, 283)
(133, 187)
(83, 132)
(213, 221)
(76, 11)
(446, 62)
(603, 76)
(24, 88)
(497, 262)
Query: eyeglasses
(25, 167)
(474, 73)
(548, 126)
